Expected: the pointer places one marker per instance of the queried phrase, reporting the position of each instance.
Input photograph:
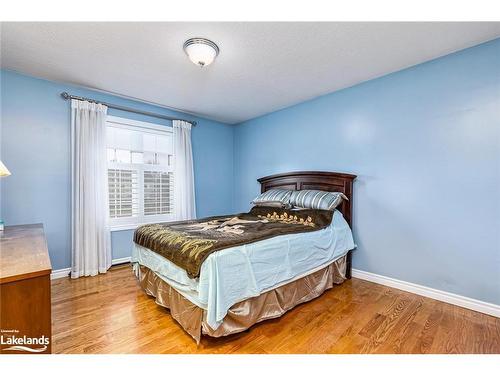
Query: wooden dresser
(25, 312)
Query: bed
(231, 289)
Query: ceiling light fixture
(201, 51)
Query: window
(140, 173)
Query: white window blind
(158, 190)
(123, 193)
(140, 173)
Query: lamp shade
(3, 170)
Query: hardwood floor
(111, 314)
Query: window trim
(125, 123)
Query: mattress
(235, 274)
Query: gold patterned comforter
(188, 243)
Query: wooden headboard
(326, 181)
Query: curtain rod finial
(65, 95)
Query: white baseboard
(114, 262)
(64, 272)
(454, 299)
(57, 274)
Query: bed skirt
(242, 315)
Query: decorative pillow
(316, 199)
(273, 204)
(273, 197)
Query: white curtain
(184, 200)
(90, 237)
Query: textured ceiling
(262, 67)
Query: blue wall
(36, 148)
(425, 144)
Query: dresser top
(23, 253)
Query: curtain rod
(67, 96)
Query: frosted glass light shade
(200, 51)
(3, 170)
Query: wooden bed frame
(327, 181)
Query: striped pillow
(316, 199)
(273, 197)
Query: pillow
(316, 199)
(272, 204)
(273, 198)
